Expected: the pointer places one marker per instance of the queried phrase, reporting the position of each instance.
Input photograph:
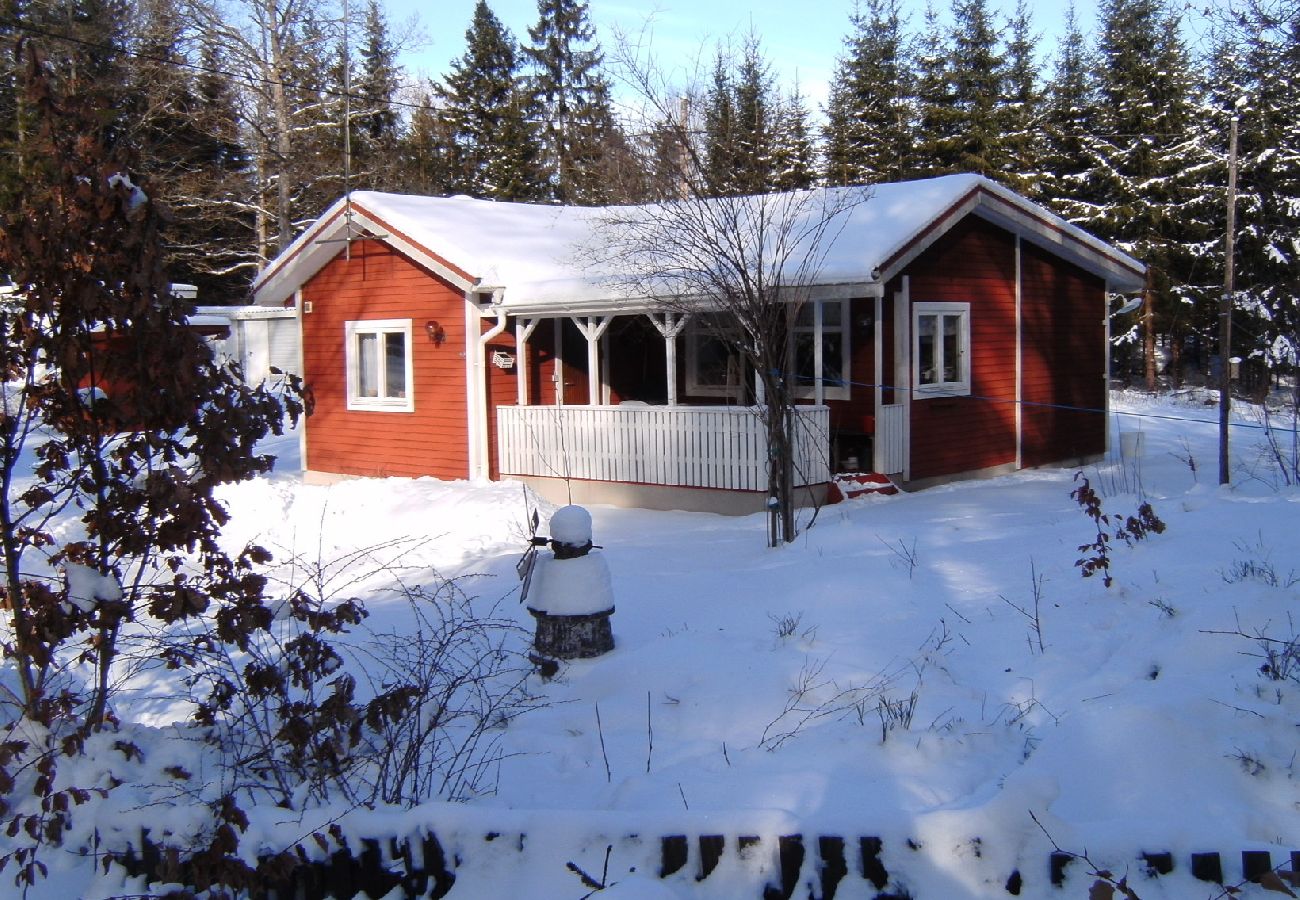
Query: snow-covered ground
(880, 677)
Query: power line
(1034, 404)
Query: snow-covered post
(571, 596)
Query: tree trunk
(1149, 334)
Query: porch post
(669, 327)
(1020, 366)
(593, 329)
(903, 365)
(819, 382)
(523, 331)
(878, 376)
(557, 371)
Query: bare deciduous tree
(750, 260)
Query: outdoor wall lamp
(436, 333)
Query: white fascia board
(1008, 210)
(1068, 242)
(914, 243)
(323, 241)
(642, 305)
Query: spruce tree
(938, 122)
(1252, 78)
(425, 151)
(977, 72)
(719, 158)
(794, 164)
(754, 138)
(495, 150)
(1069, 120)
(375, 89)
(1149, 168)
(1021, 115)
(754, 141)
(185, 131)
(868, 134)
(572, 97)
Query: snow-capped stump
(570, 594)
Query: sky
(802, 40)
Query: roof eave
(345, 221)
(1121, 272)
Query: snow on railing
(690, 446)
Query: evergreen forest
(234, 113)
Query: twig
(649, 733)
(601, 731)
(683, 793)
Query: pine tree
(573, 99)
(496, 153)
(868, 132)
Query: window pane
(951, 348)
(925, 350)
(804, 317)
(716, 365)
(804, 358)
(833, 358)
(831, 314)
(394, 365)
(367, 365)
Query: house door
(893, 382)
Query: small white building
(258, 338)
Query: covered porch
(644, 409)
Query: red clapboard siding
(856, 414)
(378, 283)
(502, 386)
(975, 263)
(1064, 359)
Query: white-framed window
(378, 359)
(828, 319)
(941, 349)
(714, 367)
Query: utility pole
(1225, 309)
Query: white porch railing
(692, 446)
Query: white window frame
(835, 386)
(698, 330)
(961, 386)
(353, 330)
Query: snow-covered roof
(534, 253)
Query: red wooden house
(955, 329)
